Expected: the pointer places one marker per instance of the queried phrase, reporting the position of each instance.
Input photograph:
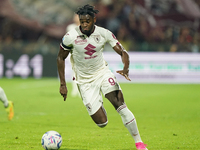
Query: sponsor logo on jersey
(80, 40)
(90, 51)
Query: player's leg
(3, 97)
(100, 117)
(112, 91)
(92, 99)
(7, 104)
(128, 119)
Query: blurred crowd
(140, 25)
(152, 25)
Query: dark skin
(87, 26)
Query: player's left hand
(124, 73)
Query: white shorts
(91, 92)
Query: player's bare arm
(62, 55)
(125, 59)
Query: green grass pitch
(168, 117)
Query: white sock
(129, 122)
(3, 97)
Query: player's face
(87, 24)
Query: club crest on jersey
(80, 40)
(97, 38)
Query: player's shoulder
(101, 29)
(71, 32)
(68, 38)
(70, 35)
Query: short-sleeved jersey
(86, 52)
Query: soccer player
(92, 74)
(7, 104)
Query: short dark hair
(87, 9)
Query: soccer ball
(51, 140)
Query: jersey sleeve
(66, 43)
(111, 39)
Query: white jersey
(86, 52)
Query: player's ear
(95, 19)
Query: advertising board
(144, 67)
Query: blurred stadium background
(31, 30)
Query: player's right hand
(63, 91)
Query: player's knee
(116, 98)
(103, 124)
